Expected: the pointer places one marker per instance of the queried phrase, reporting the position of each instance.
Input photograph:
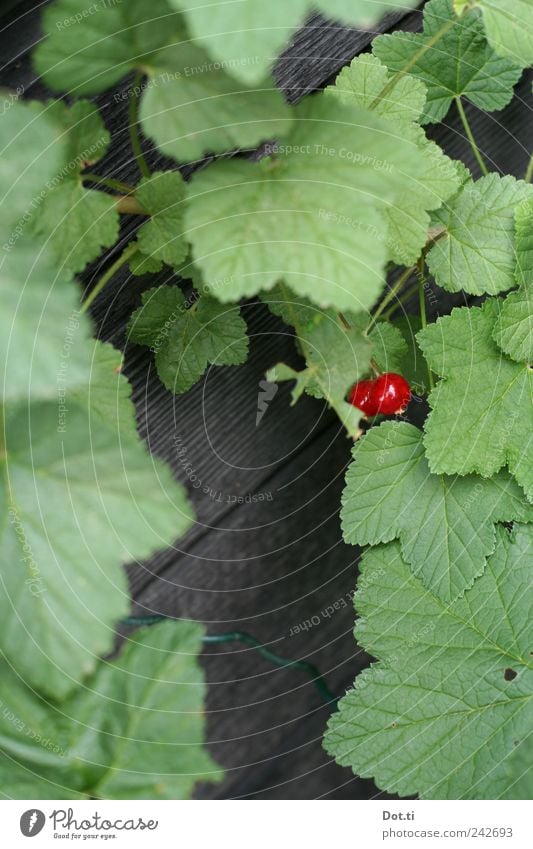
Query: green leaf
(478, 253)
(312, 213)
(85, 134)
(524, 243)
(389, 348)
(161, 238)
(482, 415)
(519, 782)
(185, 338)
(135, 731)
(106, 398)
(437, 179)
(441, 713)
(513, 330)
(413, 365)
(33, 150)
(44, 341)
(191, 106)
(77, 223)
(445, 524)
(363, 81)
(79, 498)
(335, 348)
(459, 63)
(90, 46)
(246, 37)
(142, 264)
(509, 28)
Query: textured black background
(262, 567)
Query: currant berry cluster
(388, 395)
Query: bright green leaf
(436, 179)
(187, 338)
(445, 524)
(442, 712)
(478, 254)
(363, 81)
(32, 151)
(191, 106)
(482, 410)
(335, 348)
(79, 499)
(312, 213)
(509, 28)
(389, 348)
(44, 341)
(246, 37)
(77, 223)
(513, 330)
(459, 63)
(524, 243)
(161, 238)
(135, 731)
(88, 46)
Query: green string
(247, 639)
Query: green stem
(133, 110)
(247, 639)
(391, 294)
(470, 136)
(106, 277)
(117, 185)
(402, 300)
(422, 301)
(529, 172)
(412, 62)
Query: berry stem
(129, 205)
(110, 183)
(422, 301)
(133, 110)
(529, 172)
(106, 277)
(470, 136)
(391, 294)
(408, 294)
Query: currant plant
(334, 212)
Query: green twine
(247, 639)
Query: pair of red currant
(388, 395)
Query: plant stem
(422, 301)
(405, 297)
(129, 205)
(470, 136)
(106, 277)
(412, 62)
(133, 110)
(529, 173)
(117, 185)
(391, 294)
(248, 640)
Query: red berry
(360, 396)
(390, 394)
